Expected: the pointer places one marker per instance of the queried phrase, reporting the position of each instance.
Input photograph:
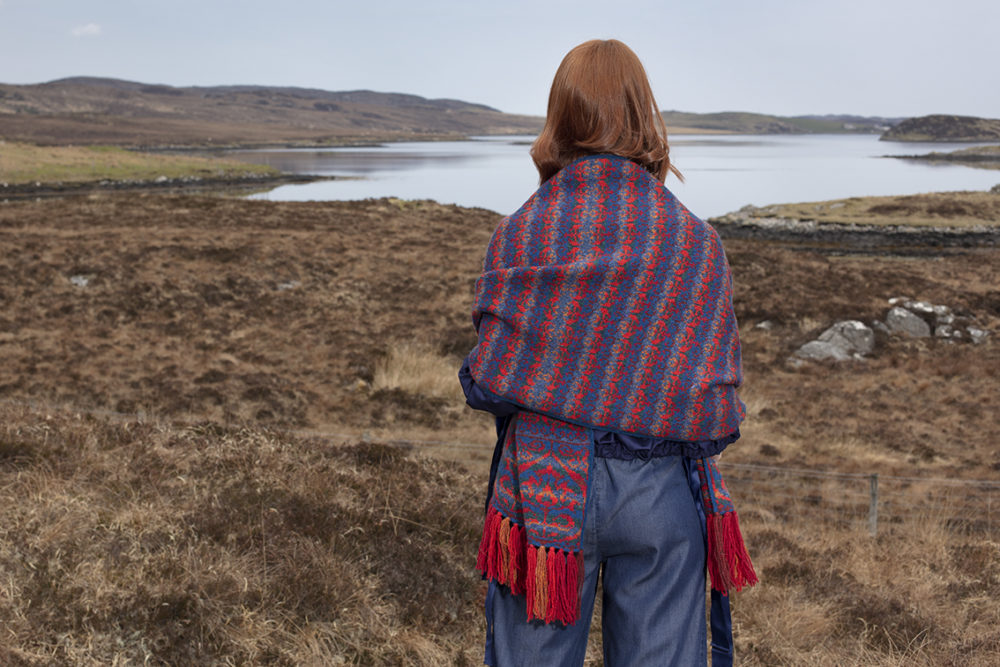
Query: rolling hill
(89, 110)
(93, 110)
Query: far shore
(191, 184)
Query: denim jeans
(643, 537)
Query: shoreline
(854, 238)
(187, 184)
(857, 239)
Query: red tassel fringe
(550, 579)
(729, 565)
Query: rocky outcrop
(763, 223)
(852, 339)
(922, 319)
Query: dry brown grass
(228, 540)
(418, 369)
(143, 543)
(151, 543)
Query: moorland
(231, 432)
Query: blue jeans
(643, 536)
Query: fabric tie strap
(533, 532)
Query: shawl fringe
(550, 579)
(729, 565)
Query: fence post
(873, 506)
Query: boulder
(850, 335)
(818, 350)
(921, 307)
(947, 331)
(845, 340)
(978, 335)
(941, 312)
(901, 320)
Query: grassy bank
(204, 532)
(22, 163)
(935, 209)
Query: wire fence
(869, 502)
(859, 501)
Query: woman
(609, 352)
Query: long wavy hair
(601, 102)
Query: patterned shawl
(604, 303)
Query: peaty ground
(220, 516)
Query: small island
(943, 127)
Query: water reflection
(353, 161)
(723, 172)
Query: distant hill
(941, 127)
(94, 110)
(91, 110)
(844, 123)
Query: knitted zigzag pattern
(605, 302)
(533, 533)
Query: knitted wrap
(605, 302)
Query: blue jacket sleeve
(479, 399)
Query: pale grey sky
(871, 57)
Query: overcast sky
(787, 57)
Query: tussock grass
(837, 597)
(142, 543)
(418, 369)
(128, 543)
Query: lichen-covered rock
(849, 339)
(818, 350)
(947, 331)
(978, 335)
(920, 307)
(850, 335)
(901, 320)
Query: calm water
(722, 173)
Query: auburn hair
(601, 102)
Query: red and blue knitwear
(605, 328)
